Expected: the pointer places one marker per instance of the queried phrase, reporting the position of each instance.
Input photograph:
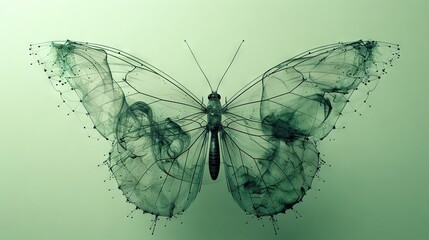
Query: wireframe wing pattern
(271, 127)
(156, 125)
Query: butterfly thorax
(214, 118)
(214, 112)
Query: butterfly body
(266, 134)
(214, 123)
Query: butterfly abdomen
(214, 156)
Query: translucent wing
(157, 126)
(271, 127)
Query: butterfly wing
(156, 125)
(271, 126)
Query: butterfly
(265, 135)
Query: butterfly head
(214, 95)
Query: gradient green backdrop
(376, 188)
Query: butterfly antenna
(193, 55)
(233, 58)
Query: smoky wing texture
(271, 127)
(157, 127)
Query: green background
(375, 188)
